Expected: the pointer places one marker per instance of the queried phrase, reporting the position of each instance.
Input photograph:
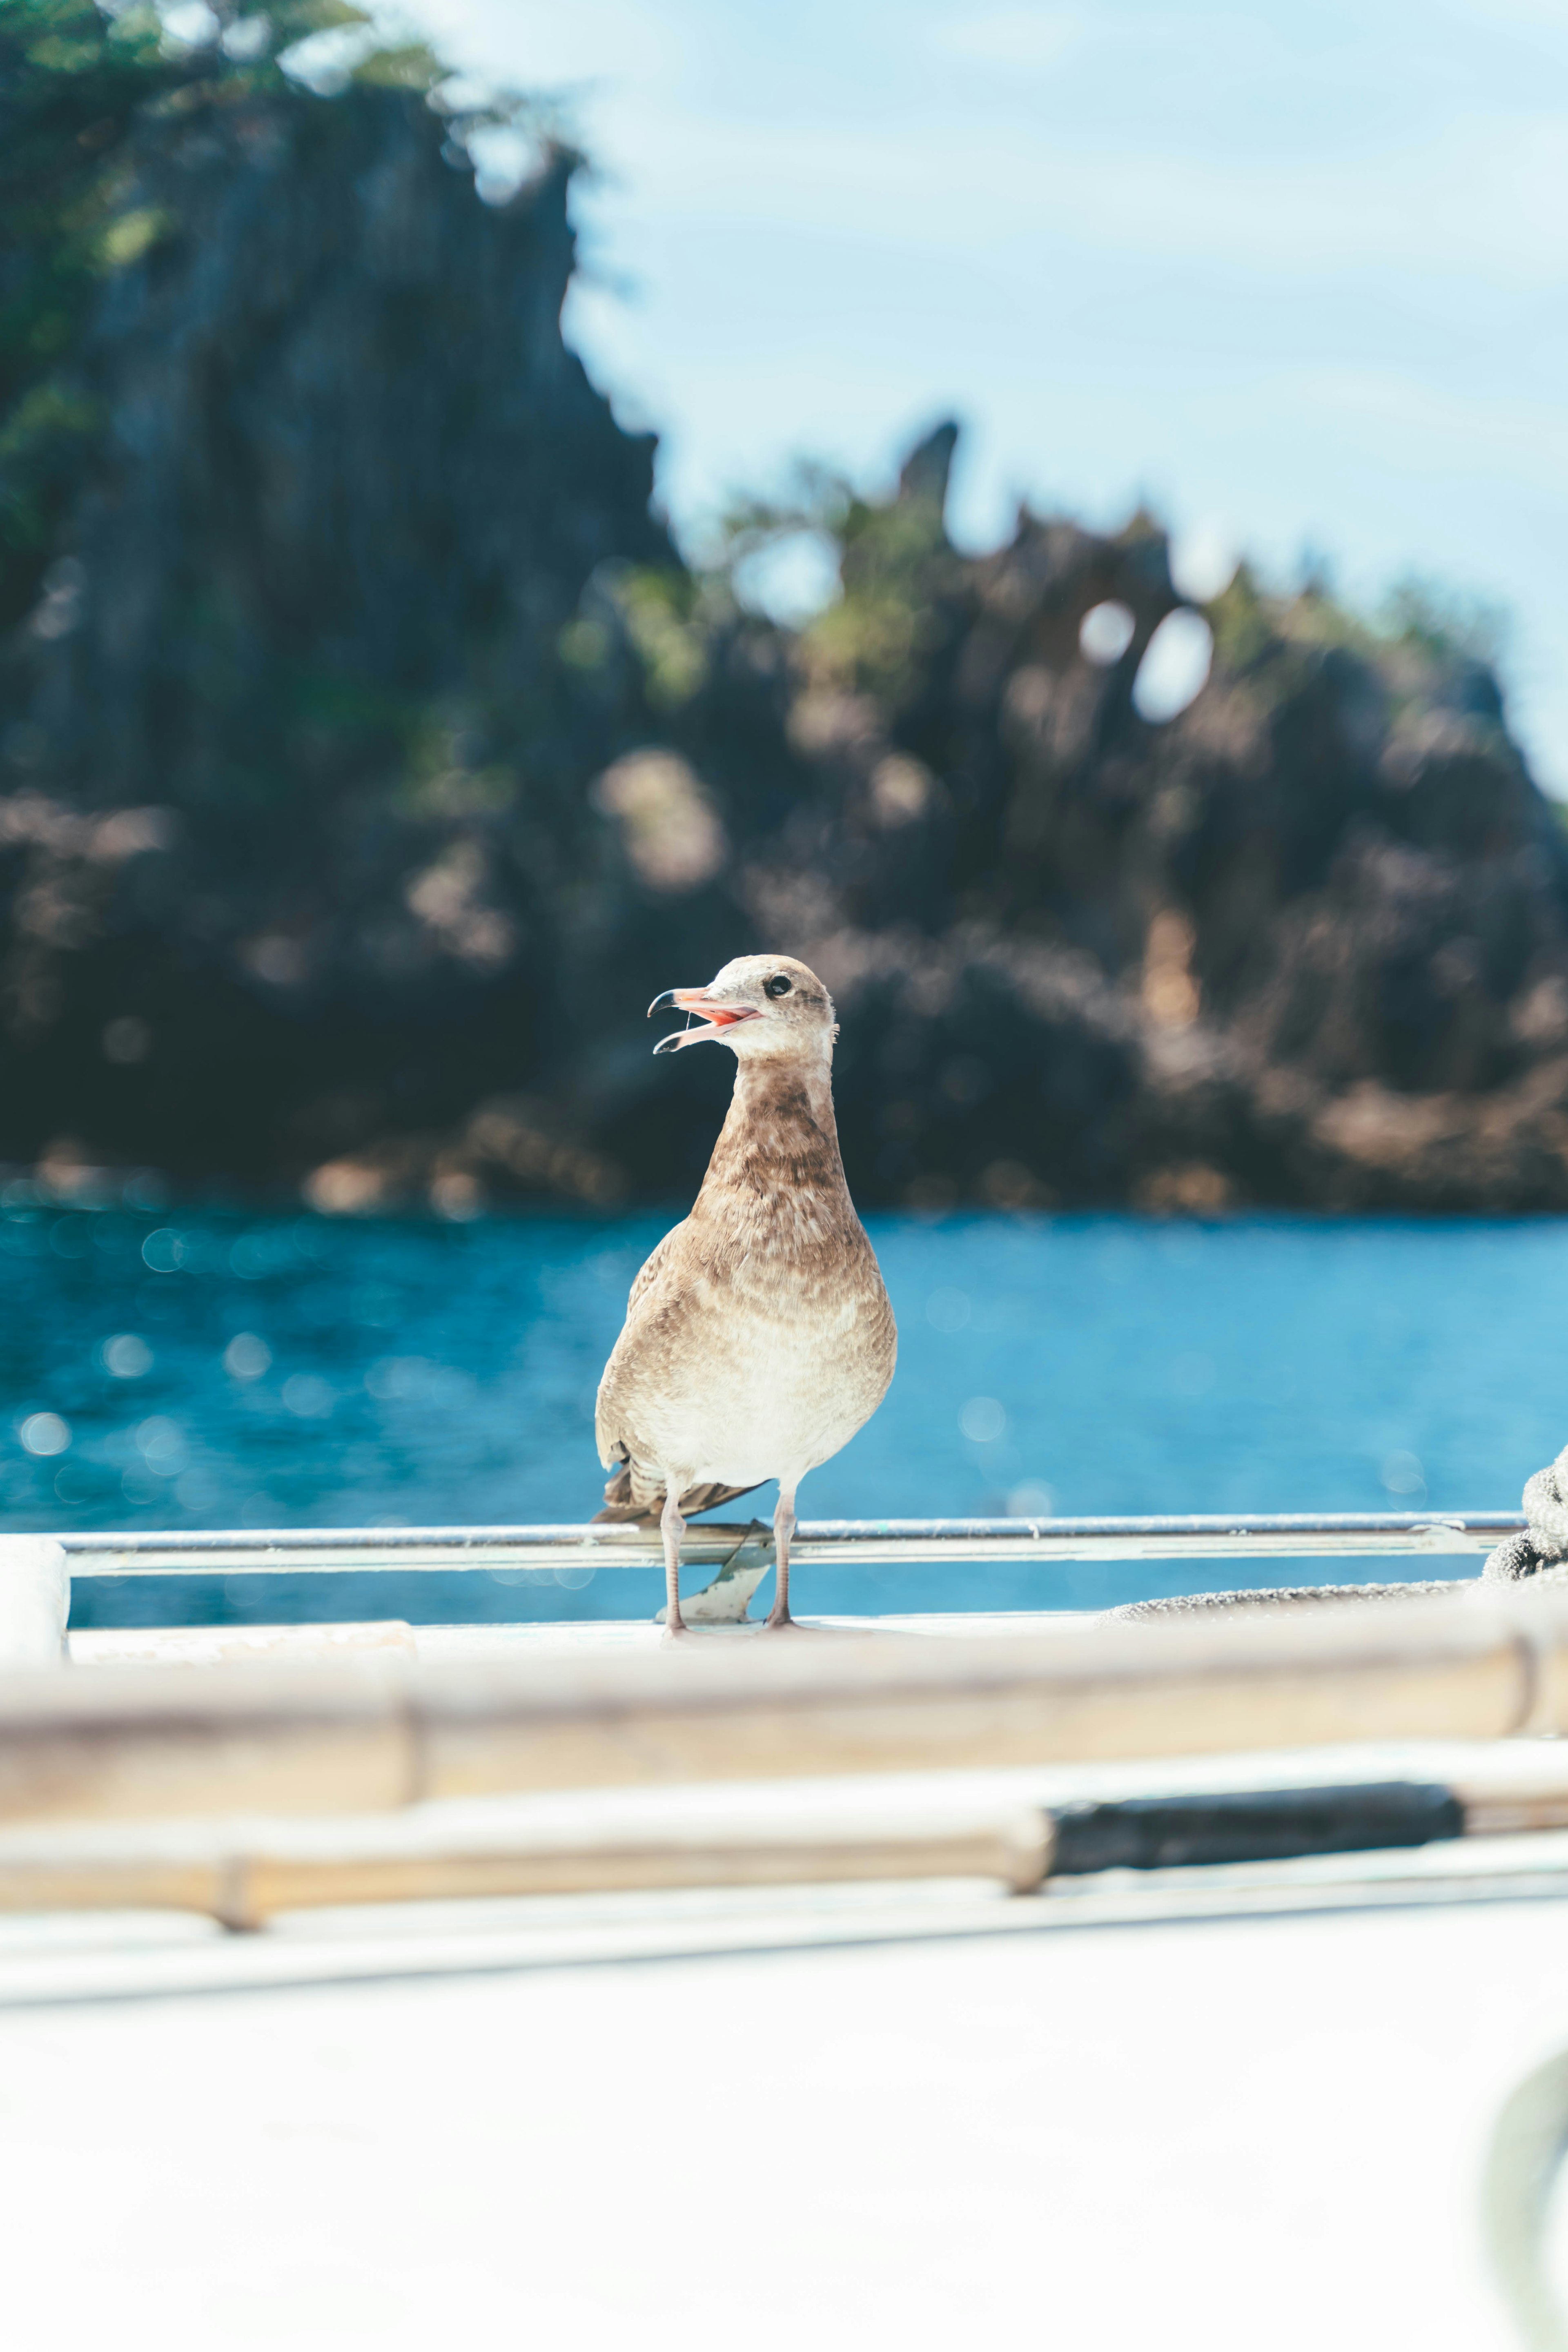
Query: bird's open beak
(716, 1018)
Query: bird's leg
(672, 1526)
(784, 1528)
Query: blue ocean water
(202, 1366)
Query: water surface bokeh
(202, 1367)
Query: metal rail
(1291, 1535)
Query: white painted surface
(450, 1643)
(34, 1600)
(211, 1645)
(1232, 2136)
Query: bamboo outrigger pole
(370, 1736)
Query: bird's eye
(777, 986)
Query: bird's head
(764, 1007)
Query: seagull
(758, 1336)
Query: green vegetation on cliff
(80, 86)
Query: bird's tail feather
(631, 1495)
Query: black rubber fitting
(1261, 1825)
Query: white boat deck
(1250, 2114)
(448, 1645)
(1234, 2107)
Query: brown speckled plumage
(758, 1336)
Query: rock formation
(1304, 942)
(368, 758)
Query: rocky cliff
(289, 685)
(1305, 942)
(370, 759)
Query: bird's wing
(647, 1273)
(611, 1440)
(633, 1492)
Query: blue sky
(1298, 275)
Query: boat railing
(595, 1545)
(37, 1572)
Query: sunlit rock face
(368, 759)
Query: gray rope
(1263, 1598)
(1543, 1547)
(1540, 1550)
